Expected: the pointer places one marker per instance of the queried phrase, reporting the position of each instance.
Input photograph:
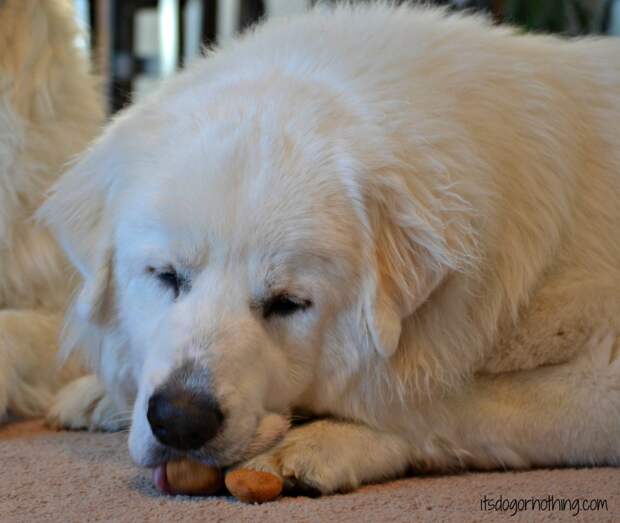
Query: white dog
(403, 220)
(49, 110)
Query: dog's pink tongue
(160, 479)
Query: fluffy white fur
(49, 109)
(444, 192)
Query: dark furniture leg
(250, 12)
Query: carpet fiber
(67, 477)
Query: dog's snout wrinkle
(183, 419)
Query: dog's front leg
(85, 403)
(334, 456)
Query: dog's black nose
(183, 419)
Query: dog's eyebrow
(305, 260)
(316, 255)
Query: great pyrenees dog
(403, 222)
(49, 111)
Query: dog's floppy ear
(76, 212)
(383, 318)
(411, 255)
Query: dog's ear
(383, 319)
(77, 213)
(411, 255)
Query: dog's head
(242, 254)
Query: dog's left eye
(284, 305)
(171, 279)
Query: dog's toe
(306, 466)
(84, 405)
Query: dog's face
(238, 263)
(233, 267)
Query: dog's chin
(223, 451)
(269, 430)
(232, 447)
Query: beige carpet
(79, 477)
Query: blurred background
(136, 43)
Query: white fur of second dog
(437, 199)
(49, 110)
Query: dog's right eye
(170, 279)
(284, 305)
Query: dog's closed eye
(283, 305)
(171, 279)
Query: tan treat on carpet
(253, 486)
(191, 477)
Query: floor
(79, 477)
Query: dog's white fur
(446, 193)
(49, 110)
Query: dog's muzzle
(183, 413)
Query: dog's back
(49, 110)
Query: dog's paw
(309, 459)
(84, 405)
